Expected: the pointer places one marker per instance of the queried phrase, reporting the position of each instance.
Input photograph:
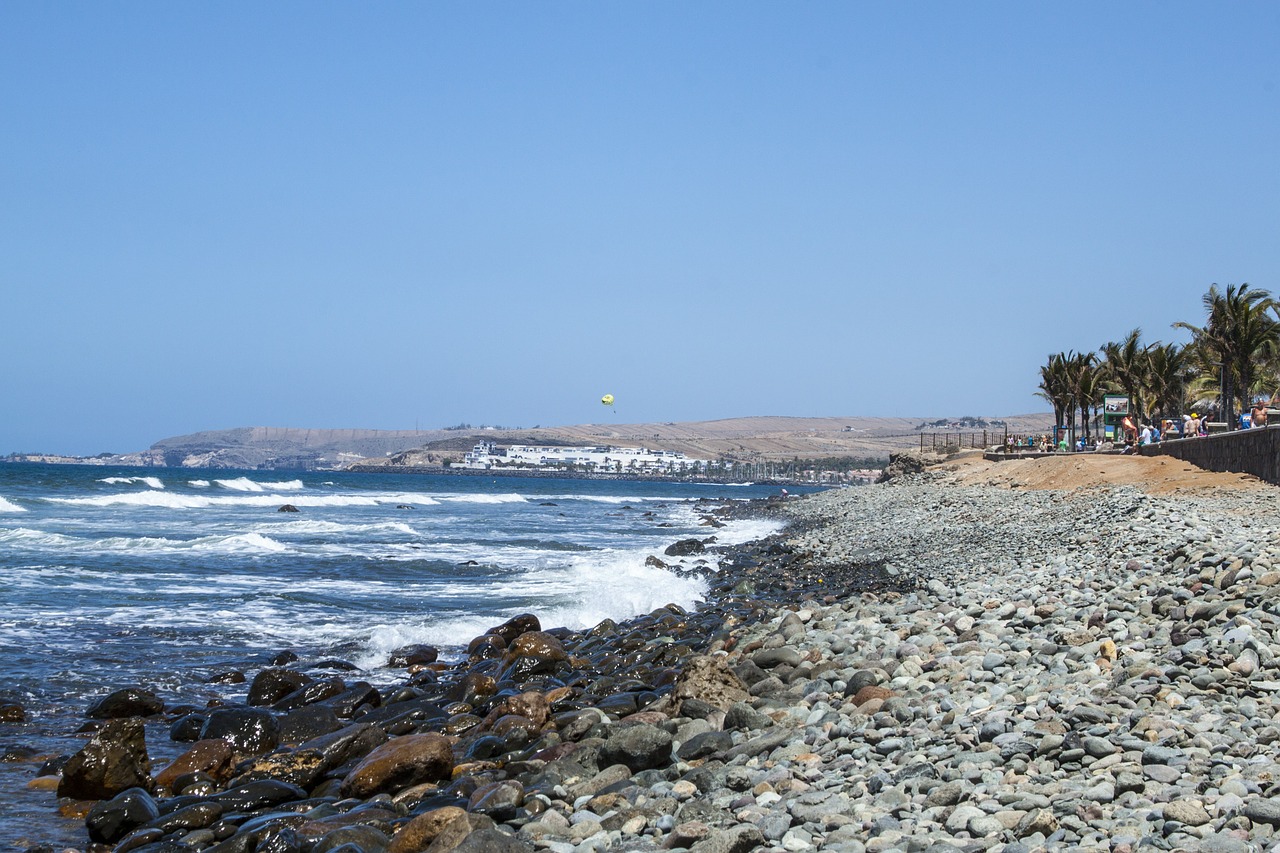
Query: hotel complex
(617, 460)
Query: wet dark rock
(399, 763)
(248, 731)
(186, 729)
(310, 693)
(345, 745)
(288, 508)
(18, 753)
(283, 840)
(194, 816)
(258, 794)
(486, 647)
(516, 626)
(114, 761)
(233, 676)
(335, 664)
(209, 756)
(138, 839)
(163, 845)
(284, 658)
(129, 702)
(271, 685)
(685, 548)
(12, 712)
(307, 723)
(111, 820)
(354, 700)
(406, 656)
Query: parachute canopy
(607, 400)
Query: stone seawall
(1249, 451)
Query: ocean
(116, 577)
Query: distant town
(550, 460)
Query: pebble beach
(946, 661)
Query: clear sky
(396, 214)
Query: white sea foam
(151, 482)
(244, 484)
(10, 506)
(310, 527)
(198, 484)
(484, 499)
(177, 501)
(578, 593)
(747, 530)
(244, 544)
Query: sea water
(116, 577)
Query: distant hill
(748, 439)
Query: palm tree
(1239, 337)
(1055, 386)
(1169, 374)
(1087, 385)
(1127, 365)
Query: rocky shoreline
(920, 665)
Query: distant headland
(858, 442)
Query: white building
(614, 460)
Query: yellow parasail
(607, 400)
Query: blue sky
(399, 214)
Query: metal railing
(960, 440)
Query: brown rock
(514, 729)
(212, 756)
(399, 763)
(301, 768)
(516, 625)
(113, 761)
(531, 705)
(536, 644)
(871, 691)
(418, 834)
(710, 680)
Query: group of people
(1150, 433)
(1136, 435)
(1028, 443)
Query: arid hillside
(743, 439)
(755, 438)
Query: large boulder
(110, 820)
(399, 763)
(533, 652)
(638, 747)
(272, 685)
(685, 548)
(113, 761)
(901, 464)
(515, 626)
(449, 824)
(129, 702)
(407, 656)
(248, 731)
(207, 756)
